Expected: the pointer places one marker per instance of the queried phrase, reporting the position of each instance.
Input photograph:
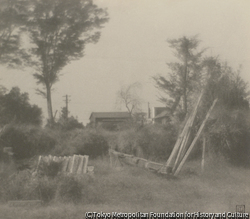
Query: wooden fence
(76, 164)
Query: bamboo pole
(180, 143)
(195, 139)
(203, 154)
(182, 148)
(174, 153)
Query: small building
(108, 118)
(160, 115)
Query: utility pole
(149, 112)
(67, 103)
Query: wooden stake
(195, 139)
(73, 163)
(80, 166)
(85, 167)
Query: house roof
(158, 110)
(109, 115)
(162, 114)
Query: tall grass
(220, 188)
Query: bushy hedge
(230, 136)
(27, 141)
(153, 142)
(83, 142)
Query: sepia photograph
(124, 109)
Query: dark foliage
(49, 169)
(66, 123)
(93, 144)
(13, 17)
(155, 141)
(83, 142)
(27, 141)
(15, 107)
(184, 77)
(230, 136)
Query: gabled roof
(165, 113)
(158, 110)
(110, 115)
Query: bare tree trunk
(49, 106)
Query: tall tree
(184, 75)
(12, 20)
(59, 31)
(128, 97)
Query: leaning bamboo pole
(184, 143)
(170, 162)
(195, 139)
(203, 154)
(182, 148)
(181, 141)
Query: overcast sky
(133, 48)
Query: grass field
(220, 188)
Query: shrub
(230, 136)
(127, 140)
(155, 141)
(49, 169)
(84, 142)
(44, 188)
(94, 145)
(17, 187)
(69, 189)
(27, 141)
(111, 137)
